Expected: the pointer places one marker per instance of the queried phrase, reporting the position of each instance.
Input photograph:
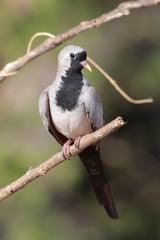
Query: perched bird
(71, 108)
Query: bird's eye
(72, 55)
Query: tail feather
(91, 159)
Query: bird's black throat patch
(71, 86)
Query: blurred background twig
(51, 43)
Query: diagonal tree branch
(122, 10)
(58, 158)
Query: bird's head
(73, 57)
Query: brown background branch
(122, 10)
(58, 158)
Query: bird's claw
(66, 149)
(77, 142)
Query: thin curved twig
(115, 85)
(46, 34)
(113, 82)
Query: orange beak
(86, 65)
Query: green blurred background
(61, 205)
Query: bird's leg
(65, 149)
(77, 142)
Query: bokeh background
(61, 205)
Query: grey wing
(94, 108)
(44, 111)
(44, 108)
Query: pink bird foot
(65, 149)
(77, 142)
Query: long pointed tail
(91, 159)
